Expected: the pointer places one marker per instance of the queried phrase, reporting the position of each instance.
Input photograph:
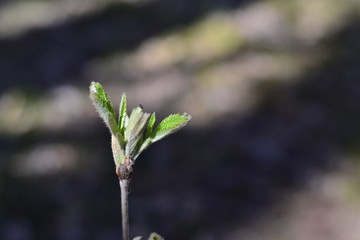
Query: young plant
(130, 136)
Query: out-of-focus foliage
(153, 236)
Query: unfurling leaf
(123, 117)
(103, 106)
(169, 125)
(135, 130)
(150, 126)
(118, 150)
(130, 136)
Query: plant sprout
(130, 136)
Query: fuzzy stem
(124, 186)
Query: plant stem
(124, 186)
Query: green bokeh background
(272, 149)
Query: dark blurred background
(272, 151)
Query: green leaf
(123, 117)
(103, 106)
(170, 125)
(137, 238)
(118, 150)
(135, 130)
(150, 126)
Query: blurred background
(272, 151)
